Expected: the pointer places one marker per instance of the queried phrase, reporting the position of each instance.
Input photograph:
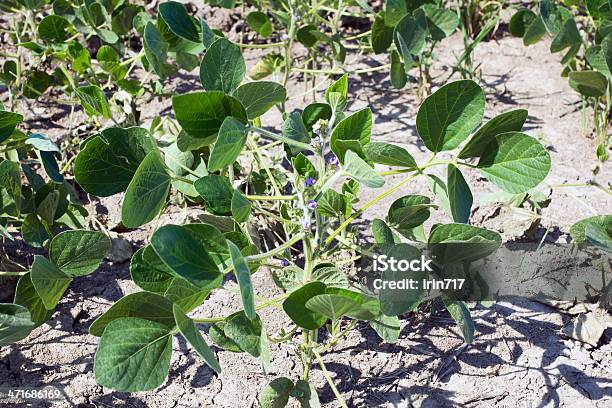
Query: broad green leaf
(185, 295)
(217, 335)
(331, 204)
(223, 67)
(189, 330)
(438, 187)
(515, 162)
(133, 355)
(260, 23)
(78, 252)
(156, 49)
(149, 272)
(241, 207)
(143, 305)
(42, 142)
(288, 278)
(10, 179)
(294, 129)
(49, 162)
(394, 11)
(511, 121)
(26, 295)
(259, 97)
(460, 313)
(230, 142)
(146, 194)
(54, 28)
(217, 192)
(305, 392)
(390, 155)
(578, 233)
(50, 282)
(567, 37)
(338, 302)
(387, 327)
(8, 122)
(33, 231)
(276, 393)
(520, 21)
(108, 161)
(314, 112)
(185, 254)
(441, 23)
(202, 113)
(398, 300)
(295, 306)
(178, 21)
(243, 276)
(208, 35)
(304, 167)
(15, 323)
(599, 235)
(535, 31)
(382, 35)
(459, 195)
(453, 243)
(246, 333)
(383, 235)
(36, 84)
(214, 241)
(361, 171)
(448, 116)
(596, 56)
(330, 276)
(94, 101)
(588, 83)
(409, 211)
(409, 36)
(306, 35)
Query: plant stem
(330, 381)
(7, 273)
(276, 250)
(271, 198)
(341, 72)
(261, 306)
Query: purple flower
(284, 37)
(284, 262)
(310, 182)
(333, 161)
(312, 204)
(316, 142)
(305, 223)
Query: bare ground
(519, 357)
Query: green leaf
(331, 204)
(599, 236)
(188, 329)
(394, 11)
(314, 112)
(453, 243)
(390, 155)
(229, 144)
(361, 171)
(459, 195)
(15, 323)
(185, 253)
(295, 306)
(460, 313)
(338, 302)
(149, 272)
(217, 335)
(578, 230)
(108, 161)
(387, 327)
(449, 115)
(294, 129)
(94, 101)
(409, 36)
(54, 28)
(156, 49)
(185, 295)
(330, 275)
(305, 392)
(208, 35)
(382, 35)
(441, 23)
(146, 194)
(260, 23)
(133, 355)
(202, 113)
(8, 122)
(515, 162)
(588, 83)
(337, 93)
(276, 394)
(143, 305)
(520, 21)
(26, 295)
(217, 192)
(36, 84)
(243, 276)
(409, 211)
(241, 207)
(511, 121)
(393, 300)
(304, 167)
(383, 235)
(223, 67)
(50, 283)
(33, 232)
(536, 30)
(79, 252)
(307, 35)
(180, 23)
(246, 333)
(259, 97)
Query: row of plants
(302, 177)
